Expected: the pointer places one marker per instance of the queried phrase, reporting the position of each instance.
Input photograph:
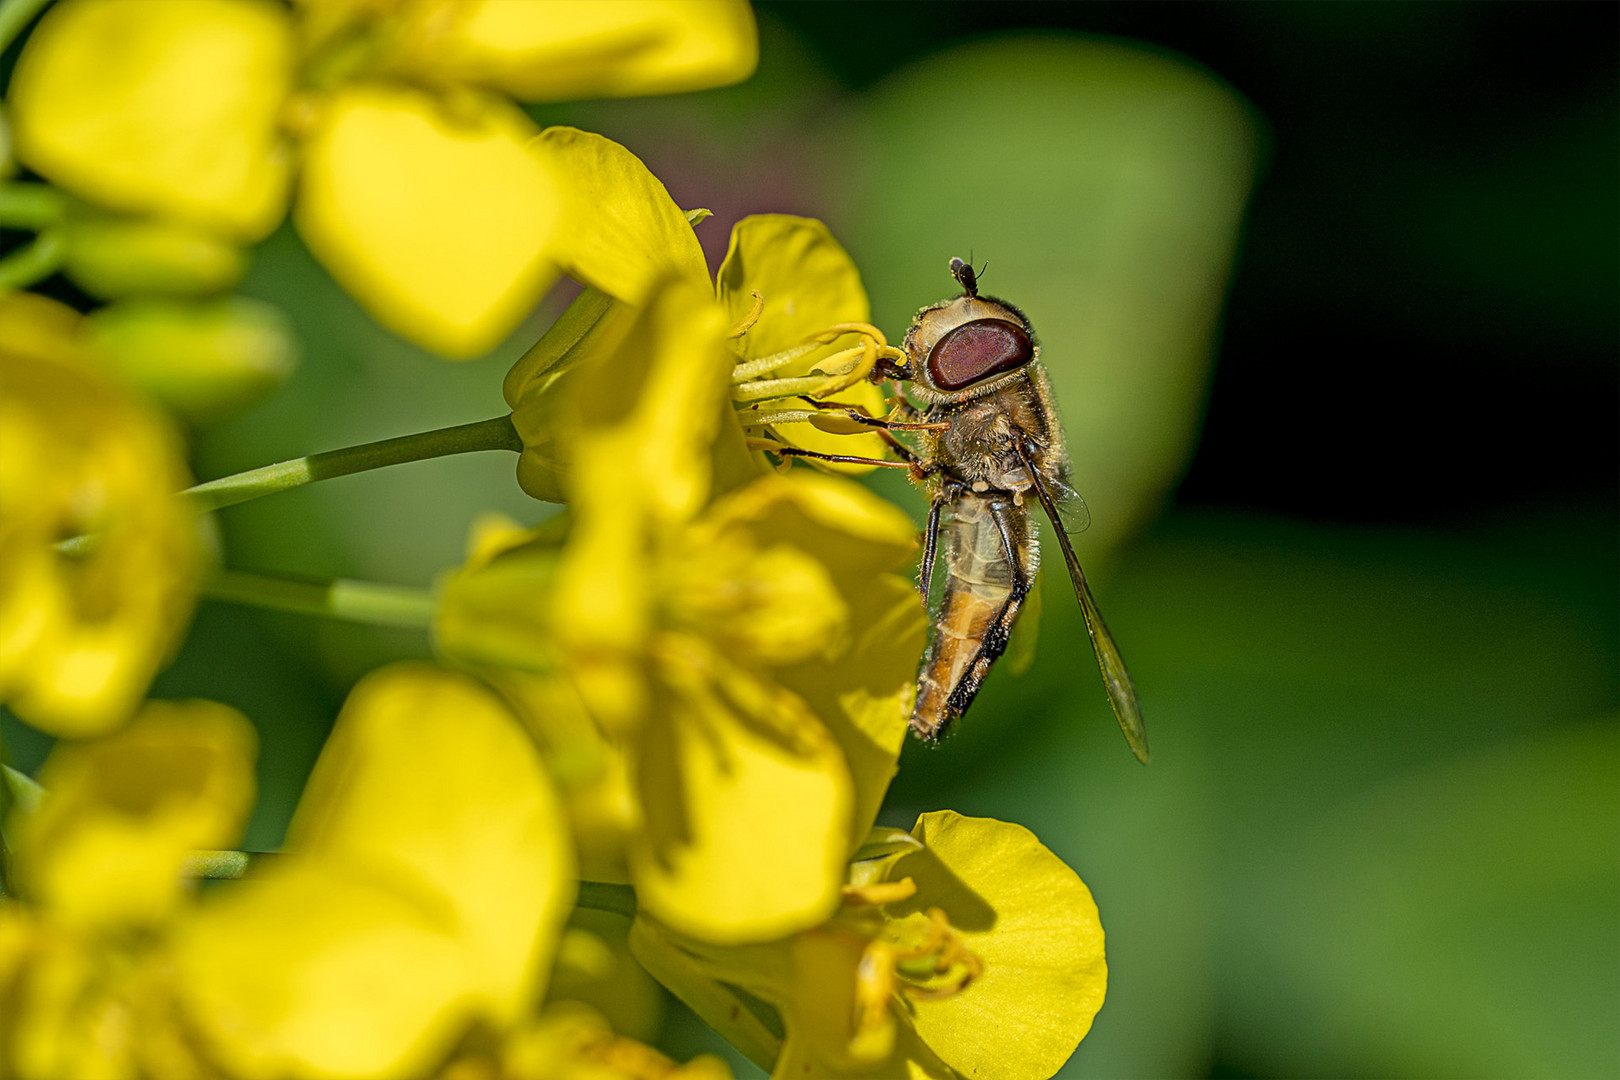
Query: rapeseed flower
(965, 949)
(716, 649)
(100, 870)
(418, 183)
(806, 283)
(421, 895)
(83, 631)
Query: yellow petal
(622, 232)
(649, 410)
(585, 48)
(312, 970)
(809, 283)
(81, 635)
(122, 813)
(807, 279)
(429, 778)
(818, 1007)
(427, 876)
(861, 691)
(439, 220)
(1032, 922)
(168, 109)
(745, 839)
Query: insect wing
(1074, 516)
(1021, 645)
(1116, 679)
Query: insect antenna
(963, 273)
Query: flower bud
(116, 256)
(203, 360)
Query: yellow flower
(971, 951)
(807, 283)
(421, 897)
(570, 1041)
(100, 866)
(420, 190)
(427, 876)
(167, 109)
(83, 632)
(739, 642)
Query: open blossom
(428, 864)
(717, 657)
(83, 631)
(970, 950)
(417, 184)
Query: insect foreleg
(781, 450)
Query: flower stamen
(750, 319)
(879, 892)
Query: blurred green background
(1328, 292)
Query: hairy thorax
(979, 450)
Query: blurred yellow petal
(862, 690)
(82, 634)
(1032, 921)
(809, 283)
(749, 840)
(163, 108)
(427, 877)
(589, 48)
(438, 220)
(428, 776)
(622, 233)
(122, 813)
(311, 970)
(648, 411)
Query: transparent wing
(1116, 680)
(1073, 513)
(1025, 632)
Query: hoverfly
(974, 364)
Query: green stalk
(604, 896)
(14, 15)
(31, 206)
(34, 261)
(496, 433)
(353, 601)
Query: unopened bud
(203, 360)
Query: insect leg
(843, 459)
(925, 572)
(1001, 513)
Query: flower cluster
(681, 699)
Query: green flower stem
(14, 15)
(31, 206)
(354, 601)
(493, 434)
(603, 896)
(34, 261)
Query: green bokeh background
(1357, 541)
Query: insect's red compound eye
(977, 350)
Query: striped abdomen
(983, 592)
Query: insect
(974, 364)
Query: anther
(879, 892)
(750, 319)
